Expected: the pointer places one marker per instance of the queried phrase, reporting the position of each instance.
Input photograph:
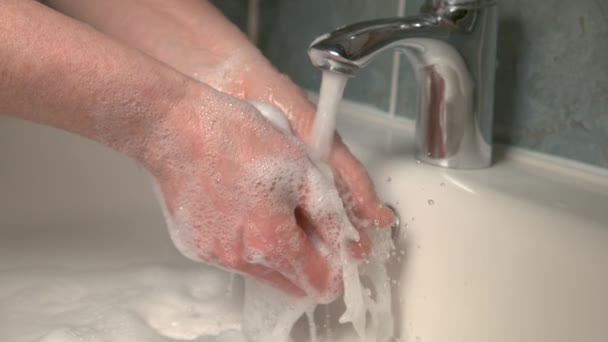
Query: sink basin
(516, 252)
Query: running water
(332, 87)
(373, 301)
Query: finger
(236, 260)
(359, 249)
(303, 264)
(322, 210)
(273, 278)
(321, 214)
(278, 243)
(362, 248)
(357, 188)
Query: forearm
(59, 72)
(192, 36)
(196, 39)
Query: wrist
(141, 126)
(185, 130)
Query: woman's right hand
(242, 195)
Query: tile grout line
(394, 85)
(253, 20)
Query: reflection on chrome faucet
(452, 48)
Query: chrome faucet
(451, 45)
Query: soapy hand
(258, 80)
(242, 195)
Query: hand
(246, 74)
(242, 195)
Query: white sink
(516, 252)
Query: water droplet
(417, 162)
(431, 202)
(389, 179)
(395, 282)
(442, 184)
(376, 222)
(218, 180)
(402, 252)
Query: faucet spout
(451, 46)
(352, 47)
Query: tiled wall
(552, 77)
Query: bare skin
(194, 38)
(152, 74)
